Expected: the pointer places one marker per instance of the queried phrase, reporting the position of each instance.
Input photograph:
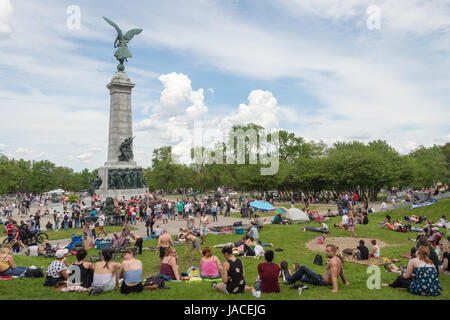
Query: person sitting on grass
(253, 233)
(85, 270)
(285, 272)
(190, 237)
(331, 275)
(259, 251)
(420, 276)
(131, 272)
(268, 272)
(7, 265)
(210, 265)
(361, 252)
(106, 276)
(233, 276)
(375, 252)
(277, 219)
(445, 249)
(57, 275)
(169, 266)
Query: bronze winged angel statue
(122, 53)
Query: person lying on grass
(331, 275)
(321, 229)
(190, 237)
(233, 276)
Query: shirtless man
(164, 242)
(331, 275)
(190, 237)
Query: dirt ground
(342, 243)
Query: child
(285, 273)
(259, 251)
(92, 231)
(351, 225)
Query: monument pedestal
(120, 129)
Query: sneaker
(301, 288)
(257, 294)
(214, 284)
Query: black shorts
(162, 252)
(129, 289)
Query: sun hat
(61, 253)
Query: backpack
(318, 260)
(158, 280)
(33, 273)
(66, 218)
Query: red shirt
(268, 273)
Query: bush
(73, 198)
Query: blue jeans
(14, 272)
(133, 219)
(77, 223)
(306, 275)
(66, 225)
(258, 285)
(56, 224)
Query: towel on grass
(371, 262)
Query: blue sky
(311, 67)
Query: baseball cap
(60, 253)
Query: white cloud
(6, 12)
(262, 109)
(84, 156)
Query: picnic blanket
(6, 277)
(371, 262)
(427, 203)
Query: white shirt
(101, 221)
(259, 251)
(344, 219)
(324, 226)
(158, 232)
(377, 252)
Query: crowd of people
(228, 275)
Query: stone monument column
(120, 176)
(120, 117)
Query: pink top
(209, 269)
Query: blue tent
(262, 205)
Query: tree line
(306, 167)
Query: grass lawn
(288, 237)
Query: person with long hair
(106, 277)
(420, 276)
(7, 265)
(445, 249)
(169, 266)
(210, 265)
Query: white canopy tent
(57, 191)
(296, 216)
